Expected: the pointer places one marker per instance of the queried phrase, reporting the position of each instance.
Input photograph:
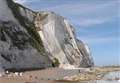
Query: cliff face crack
(6, 57)
(2, 35)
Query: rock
(20, 74)
(87, 60)
(0, 75)
(60, 40)
(32, 40)
(7, 72)
(119, 80)
(16, 73)
(2, 72)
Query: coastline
(37, 76)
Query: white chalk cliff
(30, 39)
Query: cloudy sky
(95, 21)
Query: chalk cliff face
(20, 45)
(43, 39)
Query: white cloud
(88, 14)
(98, 40)
(24, 1)
(90, 22)
(20, 1)
(82, 7)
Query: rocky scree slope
(43, 39)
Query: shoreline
(40, 76)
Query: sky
(96, 23)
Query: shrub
(56, 62)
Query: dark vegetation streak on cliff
(35, 38)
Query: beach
(58, 75)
